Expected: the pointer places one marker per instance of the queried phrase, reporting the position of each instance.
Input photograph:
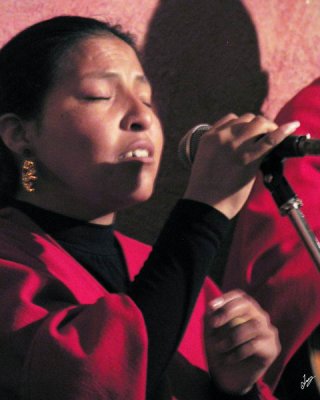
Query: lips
(140, 150)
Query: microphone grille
(189, 143)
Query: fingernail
(290, 127)
(216, 303)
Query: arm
(64, 337)
(168, 285)
(172, 277)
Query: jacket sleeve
(57, 342)
(267, 257)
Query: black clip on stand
(288, 203)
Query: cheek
(93, 136)
(75, 137)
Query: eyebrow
(113, 75)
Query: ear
(13, 132)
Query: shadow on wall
(203, 61)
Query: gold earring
(28, 175)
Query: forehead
(100, 53)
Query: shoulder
(27, 251)
(19, 236)
(15, 226)
(304, 107)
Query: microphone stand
(289, 204)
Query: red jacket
(64, 337)
(267, 257)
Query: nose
(138, 116)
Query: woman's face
(98, 142)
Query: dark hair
(28, 65)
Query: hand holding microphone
(228, 157)
(293, 146)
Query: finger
(235, 310)
(248, 125)
(267, 142)
(256, 126)
(231, 337)
(238, 321)
(246, 350)
(221, 301)
(230, 315)
(264, 349)
(224, 121)
(233, 120)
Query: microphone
(292, 146)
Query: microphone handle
(292, 146)
(311, 146)
(189, 143)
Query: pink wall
(289, 36)
(204, 58)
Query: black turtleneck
(170, 280)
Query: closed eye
(96, 98)
(147, 103)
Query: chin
(134, 192)
(141, 197)
(141, 194)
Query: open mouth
(137, 153)
(139, 150)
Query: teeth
(135, 153)
(140, 153)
